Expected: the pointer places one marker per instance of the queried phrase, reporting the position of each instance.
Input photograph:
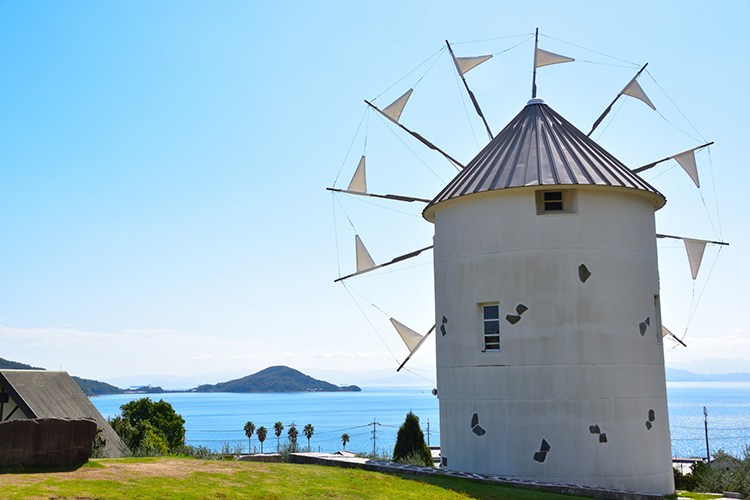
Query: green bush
(287, 449)
(726, 473)
(410, 443)
(200, 452)
(687, 482)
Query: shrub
(410, 442)
(726, 473)
(287, 449)
(200, 452)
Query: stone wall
(46, 441)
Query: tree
(249, 429)
(344, 440)
(277, 428)
(261, 436)
(149, 427)
(410, 445)
(308, 432)
(293, 433)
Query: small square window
(553, 200)
(490, 327)
(557, 202)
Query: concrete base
(331, 460)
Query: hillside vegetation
(275, 379)
(88, 386)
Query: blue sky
(163, 169)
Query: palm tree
(292, 433)
(344, 440)
(277, 428)
(308, 431)
(249, 430)
(261, 436)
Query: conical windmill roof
(540, 148)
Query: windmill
(549, 339)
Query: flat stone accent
(261, 457)
(331, 460)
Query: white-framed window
(556, 202)
(490, 327)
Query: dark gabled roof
(540, 148)
(48, 394)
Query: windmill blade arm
(682, 238)
(417, 136)
(652, 165)
(599, 120)
(396, 197)
(609, 108)
(395, 260)
(471, 94)
(665, 332)
(415, 349)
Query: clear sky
(163, 168)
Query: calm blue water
(213, 419)
(728, 406)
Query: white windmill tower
(549, 357)
(550, 362)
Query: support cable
(590, 50)
(611, 119)
(677, 108)
(442, 48)
(412, 151)
(482, 40)
(466, 110)
(346, 156)
(369, 322)
(716, 199)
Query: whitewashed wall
(577, 373)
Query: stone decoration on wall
(541, 455)
(515, 318)
(583, 273)
(475, 427)
(594, 429)
(643, 325)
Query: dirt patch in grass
(121, 470)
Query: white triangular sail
(394, 110)
(634, 90)
(687, 160)
(411, 338)
(665, 332)
(695, 250)
(359, 181)
(466, 63)
(364, 261)
(545, 58)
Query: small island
(272, 379)
(276, 379)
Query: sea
(371, 417)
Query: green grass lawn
(166, 478)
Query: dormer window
(556, 202)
